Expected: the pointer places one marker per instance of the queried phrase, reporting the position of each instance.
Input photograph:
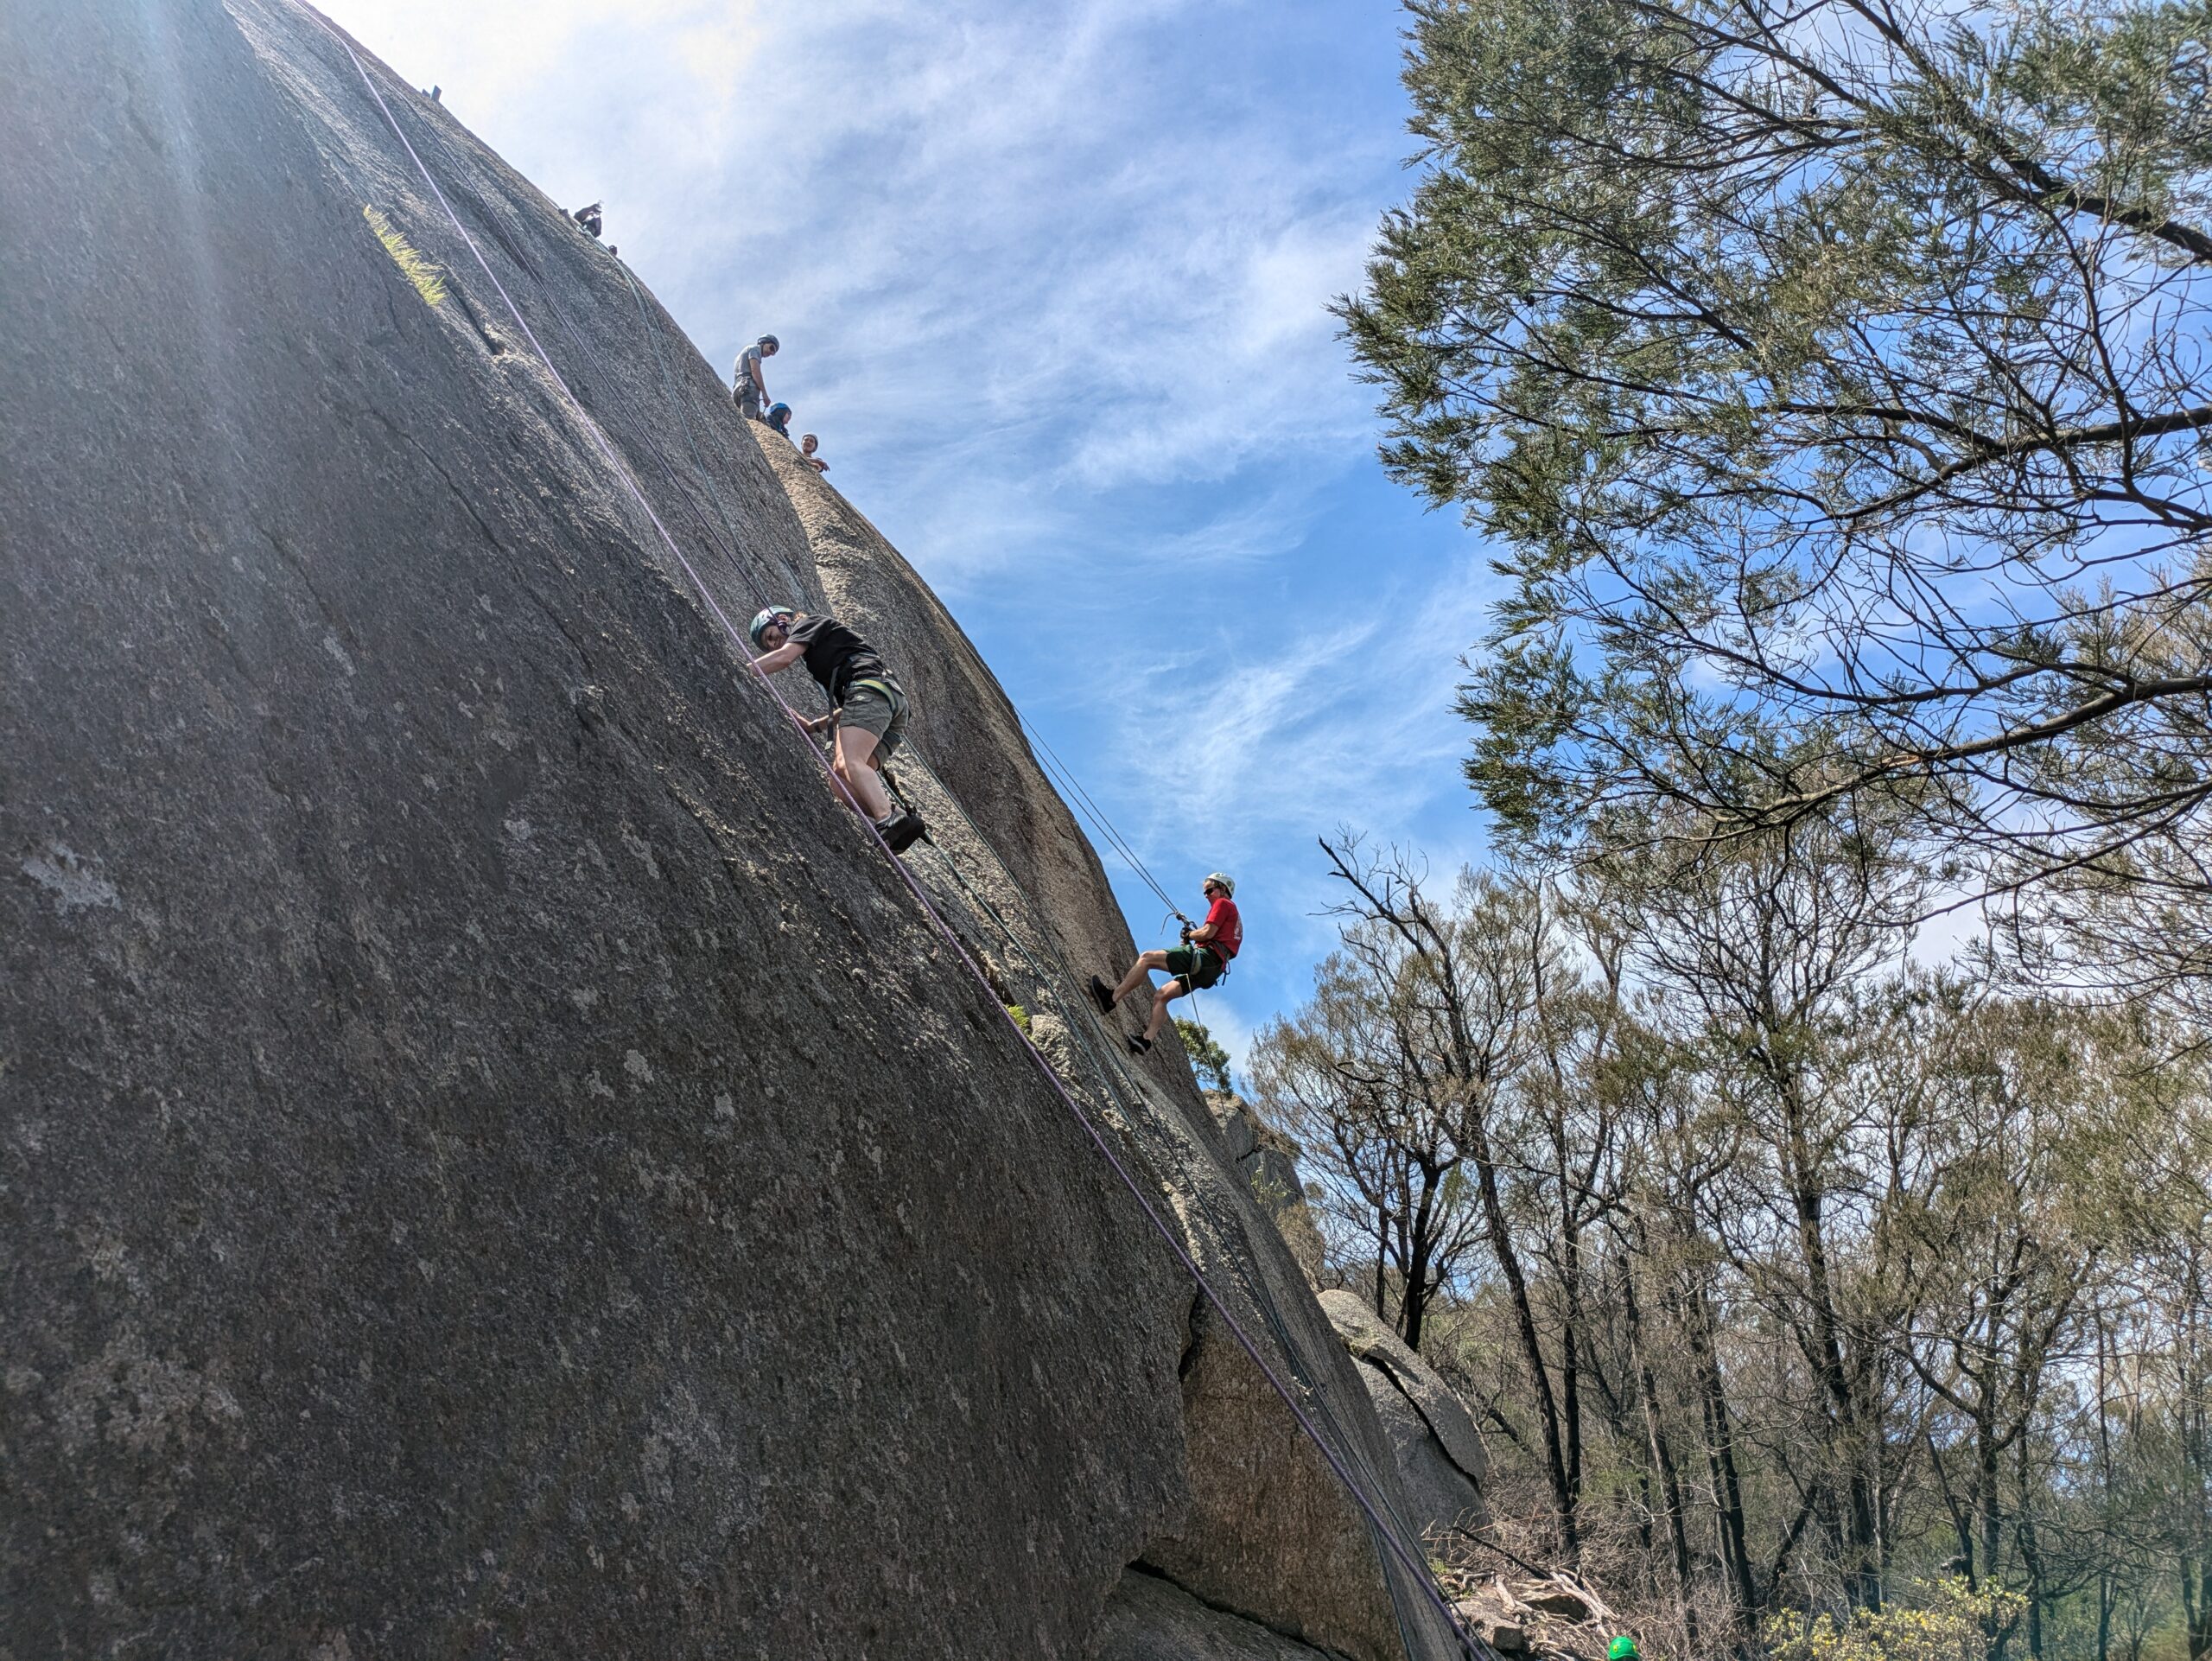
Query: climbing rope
(1064, 777)
(1120, 1087)
(1394, 1547)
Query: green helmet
(766, 616)
(1621, 1649)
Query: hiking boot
(1139, 1046)
(1101, 995)
(902, 831)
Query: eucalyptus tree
(1401, 1076)
(1832, 379)
(1761, 946)
(1352, 1074)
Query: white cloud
(982, 232)
(1342, 722)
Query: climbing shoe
(1139, 1046)
(903, 830)
(1101, 995)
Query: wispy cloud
(1252, 745)
(978, 229)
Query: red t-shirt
(1228, 929)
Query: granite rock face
(1266, 1161)
(492, 1160)
(1441, 1465)
(1150, 1619)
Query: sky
(1052, 280)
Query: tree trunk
(1720, 1458)
(2024, 1527)
(1382, 1262)
(2104, 1490)
(1413, 1307)
(1663, 1458)
(1570, 1369)
(1516, 1284)
(1862, 1581)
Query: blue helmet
(765, 616)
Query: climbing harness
(1387, 1539)
(888, 689)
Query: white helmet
(1224, 880)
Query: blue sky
(1050, 281)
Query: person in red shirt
(1202, 959)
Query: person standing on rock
(751, 388)
(1202, 959)
(870, 716)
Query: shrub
(1953, 1622)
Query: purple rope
(1383, 1532)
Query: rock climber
(870, 712)
(779, 417)
(588, 218)
(1202, 959)
(751, 388)
(807, 443)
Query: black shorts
(1194, 966)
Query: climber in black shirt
(870, 712)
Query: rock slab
(494, 1162)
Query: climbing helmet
(765, 616)
(1227, 884)
(772, 343)
(1621, 1649)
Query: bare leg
(854, 748)
(1145, 963)
(1168, 992)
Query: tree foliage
(1786, 1275)
(1208, 1059)
(1832, 378)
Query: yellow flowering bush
(1952, 1622)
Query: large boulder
(494, 1161)
(1152, 1619)
(1441, 1464)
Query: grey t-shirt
(748, 366)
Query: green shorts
(1194, 966)
(877, 707)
